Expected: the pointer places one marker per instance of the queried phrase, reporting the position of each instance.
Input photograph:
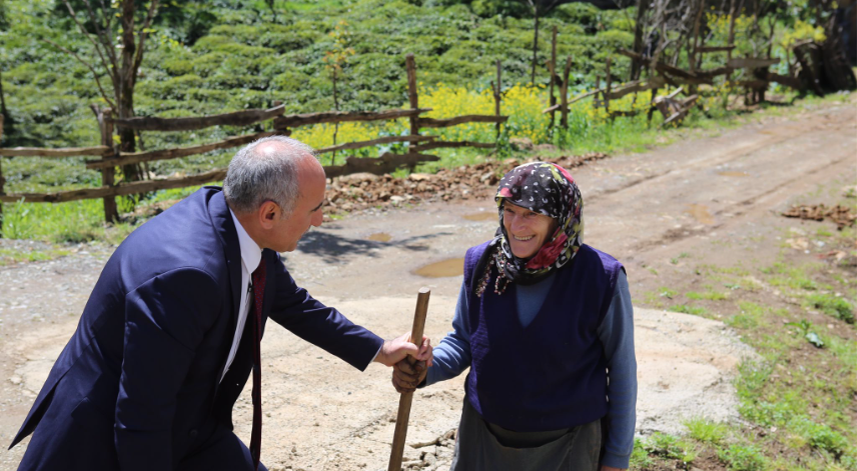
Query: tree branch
(105, 39)
(84, 32)
(138, 59)
(95, 74)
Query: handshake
(410, 363)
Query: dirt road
(712, 200)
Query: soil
(708, 200)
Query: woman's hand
(407, 376)
(610, 468)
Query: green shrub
(743, 457)
(819, 436)
(832, 305)
(706, 431)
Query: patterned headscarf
(543, 188)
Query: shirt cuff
(376, 353)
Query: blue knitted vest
(552, 374)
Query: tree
(334, 59)
(107, 36)
(538, 8)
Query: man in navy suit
(166, 341)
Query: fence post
(413, 98)
(2, 180)
(111, 214)
(552, 67)
(497, 96)
(607, 87)
(563, 91)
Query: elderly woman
(545, 324)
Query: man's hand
(394, 351)
(610, 468)
(407, 376)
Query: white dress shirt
(251, 255)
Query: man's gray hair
(253, 178)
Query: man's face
(307, 211)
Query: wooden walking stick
(406, 398)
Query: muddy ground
(707, 200)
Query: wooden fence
(109, 157)
(662, 74)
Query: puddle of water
(380, 237)
(482, 216)
(444, 268)
(732, 173)
(701, 214)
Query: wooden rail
(453, 144)
(284, 122)
(152, 156)
(373, 142)
(703, 49)
(111, 158)
(473, 118)
(59, 152)
(117, 190)
(236, 118)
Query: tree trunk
(535, 43)
(3, 99)
(335, 125)
(125, 92)
(636, 66)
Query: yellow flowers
(523, 105)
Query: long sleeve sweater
(452, 356)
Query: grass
(73, 222)
(14, 256)
(706, 431)
(743, 457)
(832, 305)
(796, 398)
(709, 295)
(685, 309)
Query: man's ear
(268, 213)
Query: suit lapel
(224, 226)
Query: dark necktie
(258, 297)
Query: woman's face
(527, 230)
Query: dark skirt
(477, 448)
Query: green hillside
(212, 57)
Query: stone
(521, 143)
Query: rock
(358, 178)
(397, 199)
(419, 177)
(521, 143)
(15, 379)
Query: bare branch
(95, 74)
(83, 32)
(108, 18)
(153, 9)
(102, 32)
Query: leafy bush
(706, 431)
(819, 436)
(743, 457)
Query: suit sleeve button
(193, 433)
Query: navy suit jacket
(138, 385)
